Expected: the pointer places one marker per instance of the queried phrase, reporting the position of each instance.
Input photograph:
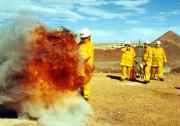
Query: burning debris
(39, 75)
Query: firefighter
(86, 50)
(147, 62)
(127, 61)
(158, 61)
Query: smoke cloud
(68, 110)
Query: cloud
(47, 9)
(133, 5)
(132, 34)
(72, 9)
(150, 33)
(106, 35)
(92, 11)
(133, 22)
(128, 8)
(171, 13)
(6, 15)
(164, 16)
(145, 32)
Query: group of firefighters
(152, 64)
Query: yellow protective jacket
(147, 56)
(86, 51)
(158, 57)
(127, 56)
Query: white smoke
(74, 112)
(167, 69)
(67, 111)
(13, 41)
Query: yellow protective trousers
(158, 60)
(160, 71)
(125, 72)
(86, 91)
(154, 72)
(157, 71)
(147, 72)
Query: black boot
(146, 81)
(161, 79)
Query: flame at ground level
(52, 66)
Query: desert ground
(125, 103)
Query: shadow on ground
(115, 77)
(177, 87)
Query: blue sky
(109, 20)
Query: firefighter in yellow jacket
(127, 61)
(147, 62)
(86, 50)
(158, 61)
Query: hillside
(170, 37)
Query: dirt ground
(17, 122)
(125, 103)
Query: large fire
(41, 73)
(53, 65)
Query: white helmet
(127, 43)
(158, 42)
(85, 32)
(147, 41)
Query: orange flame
(53, 65)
